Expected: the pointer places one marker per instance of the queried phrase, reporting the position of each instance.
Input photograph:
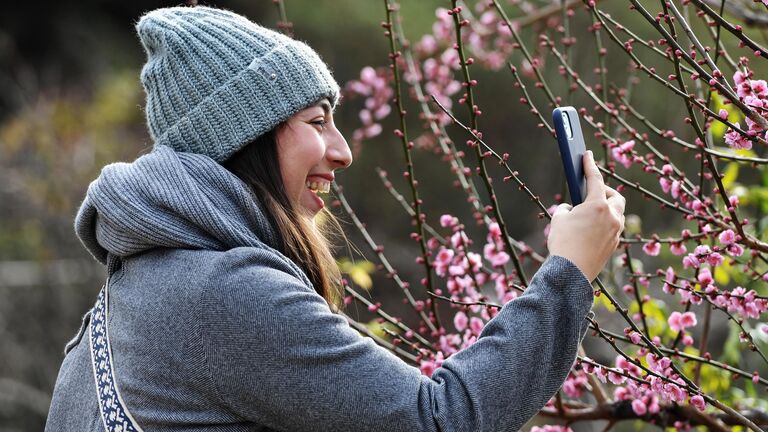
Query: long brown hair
(307, 244)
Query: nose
(338, 151)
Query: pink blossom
(476, 325)
(494, 230)
(639, 407)
(666, 185)
(427, 45)
(698, 402)
(714, 259)
(427, 368)
(739, 77)
(447, 220)
(444, 256)
(623, 153)
(677, 248)
(456, 270)
(674, 392)
(616, 378)
(734, 139)
(735, 250)
(759, 87)
(679, 322)
(652, 248)
(575, 384)
(496, 257)
(690, 261)
(723, 114)
(459, 239)
(675, 189)
(688, 319)
(669, 278)
(499, 259)
(674, 321)
(475, 261)
(450, 57)
(460, 321)
(727, 237)
(705, 277)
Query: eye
(320, 122)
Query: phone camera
(567, 125)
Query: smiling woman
(310, 149)
(220, 308)
(286, 168)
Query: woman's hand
(589, 233)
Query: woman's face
(309, 149)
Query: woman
(218, 311)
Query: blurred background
(71, 102)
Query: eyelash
(322, 123)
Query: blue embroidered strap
(114, 413)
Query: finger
(615, 200)
(609, 191)
(562, 208)
(595, 182)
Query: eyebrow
(325, 105)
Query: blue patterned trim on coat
(114, 413)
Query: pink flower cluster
(462, 267)
(728, 239)
(575, 384)
(743, 302)
(462, 270)
(680, 321)
(753, 93)
(702, 254)
(649, 391)
(374, 86)
(623, 153)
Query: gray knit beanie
(215, 81)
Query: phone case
(572, 149)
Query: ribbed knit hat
(215, 81)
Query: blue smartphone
(572, 149)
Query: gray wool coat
(213, 329)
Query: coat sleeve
(279, 357)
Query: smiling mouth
(319, 186)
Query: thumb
(595, 184)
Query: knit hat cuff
(268, 92)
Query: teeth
(319, 186)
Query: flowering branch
(474, 113)
(402, 133)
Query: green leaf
(359, 272)
(718, 128)
(655, 316)
(722, 272)
(730, 174)
(378, 328)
